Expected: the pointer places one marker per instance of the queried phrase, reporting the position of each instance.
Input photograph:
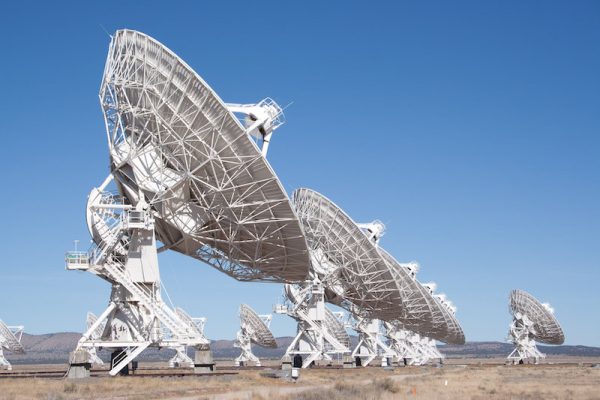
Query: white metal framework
(254, 328)
(370, 344)
(213, 194)
(320, 334)
(10, 340)
(409, 347)
(431, 315)
(346, 259)
(96, 334)
(532, 321)
(362, 277)
(125, 255)
(187, 175)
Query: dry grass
(450, 382)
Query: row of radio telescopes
(189, 173)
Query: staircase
(126, 356)
(117, 272)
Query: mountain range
(55, 347)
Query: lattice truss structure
(532, 321)
(362, 277)
(321, 335)
(124, 254)
(345, 259)
(96, 334)
(410, 348)
(216, 198)
(254, 328)
(370, 342)
(189, 175)
(10, 340)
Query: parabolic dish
(214, 196)
(10, 342)
(261, 334)
(425, 315)
(547, 329)
(347, 261)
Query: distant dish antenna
(428, 314)
(10, 340)
(370, 344)
(254, 328)
(185, 172)
(532, 322)
(352, 271)
(410, 348)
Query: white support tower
(403, 344)
(318, 336)
(410, 348)
(370, 344)
(125, 255)
(532, 321)
(10, 340)
(186, 174)
(521, 333)
(254, 328)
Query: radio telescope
(349, 269)
(190, 176)
(410, 347)
(532, 322)
(360, 275)
(346, 260)
(10, 340)
(254, 328)
(321, 335)
(370, 345)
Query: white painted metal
(189, 175)
(260, 119)
(431, 315)
(362, 277)
(370, 344)
(345, 259)
(213, 195)
(96, 328)
(409, 347)
(319, 335)
(10, 340)
(254, 328)
(125, 255)
(532, 321)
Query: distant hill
(55, 347)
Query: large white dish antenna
(260, 333)
(346, 260)
(545, 327)
(213, 195)
(427, 314)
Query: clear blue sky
(472, 129)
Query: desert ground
(568, 378)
